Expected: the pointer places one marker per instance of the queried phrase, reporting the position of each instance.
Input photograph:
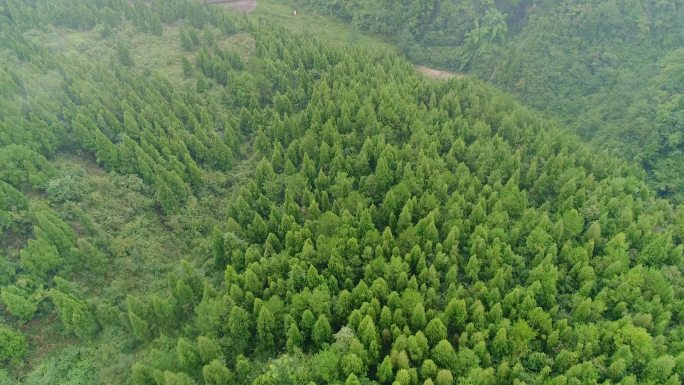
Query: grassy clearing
(315, 24)
(160, 53)
(242, 43)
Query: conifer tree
(322, 332)
(40, 258)
(13, 344)
(216, 373)
(74, 313)
(265, 331)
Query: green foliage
(50, 227)
(124, 54)
(12, 205)
(179, 378)
(337, 217)
(23, 167)
(18, 302)
(188, 357)
(7, 271)
(384, 371)
(208, 349)
(74, 313)
(265, 329)
(72, 364)
(444, 377)
(70, 187)
(13, 345)
(40, 258)
(322, 332)
(294, 338)
(216, 373)
(139, 326)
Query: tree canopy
(260, 207)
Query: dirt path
(244, 6)
(438, 74)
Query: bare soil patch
(438, 74)
(244, 6)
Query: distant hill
(611, 70)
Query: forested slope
(609, 69)
(257, 207)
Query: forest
(610, 70)
(189, 196)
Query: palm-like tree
(495, 24)
(493, 31)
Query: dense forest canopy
(612, 70)
(192, 197)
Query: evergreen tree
(13, 345)
(208, 349)
(384, 371)
(265, 331)
(216, 373)
(188, 357)
(40, 257)
(322, 332)
(75, 314)
(17, 303)
(294, 338)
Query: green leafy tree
(53, 229)
(142, 374)
(240, 327)
(164, 315)
(352, 380)
(352, 364)
(124, 54)
(428, 369)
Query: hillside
(190, 196)
(610, 70)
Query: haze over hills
(611, 70)
(190, 196)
